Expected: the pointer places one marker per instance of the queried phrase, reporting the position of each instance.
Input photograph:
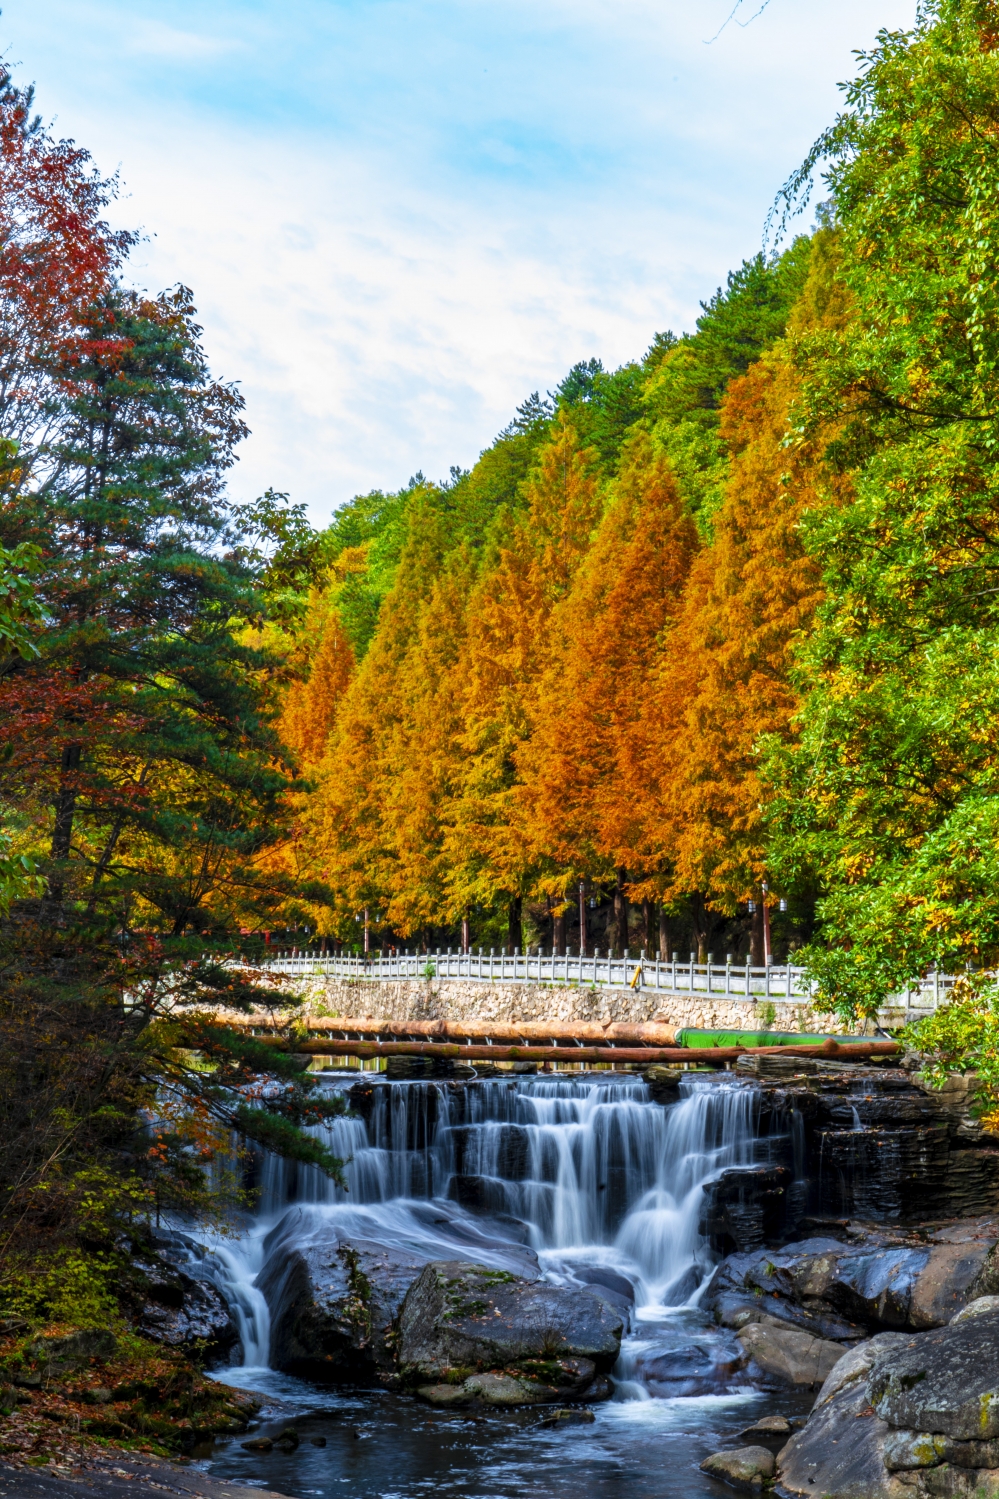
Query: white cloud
(401, 216)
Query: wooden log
(509, 1032)
(702, 1055)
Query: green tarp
(694, 1038)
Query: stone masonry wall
(443, 999)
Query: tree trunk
(558, 933)
(663, 935)
(756, 936)
(621, 911)
(515, 935)
(649, 920)
(62, 831)
(704, 923)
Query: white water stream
(598, 1180)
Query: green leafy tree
(893, 796)
(688, 377)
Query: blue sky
(399, 217)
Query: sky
(400, 217)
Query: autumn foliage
(572, 695)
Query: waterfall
(586, 1177)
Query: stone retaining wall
(443, 999)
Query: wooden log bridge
(709, 1056)
(512, 1033)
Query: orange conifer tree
(725, 677)
(490, 854)
(581, 805)
(349, 822)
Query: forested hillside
(717, 619)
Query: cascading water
(588, 1173)
(585, 1178)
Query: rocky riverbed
(618, 1276)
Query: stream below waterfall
(583, 1176)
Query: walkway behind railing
(781, 981)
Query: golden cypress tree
(490, 854)
(581, 804)
(724, 681)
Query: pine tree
(141, 721)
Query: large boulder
(176, 1300)
(905, 1416)
(788, 1354)
(333, 1305)
(840, 1452)
(460, 1320)
(743, 1468)
(841, 1289)
(944, 1382)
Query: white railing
(777, 981)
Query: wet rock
(448, 1396)
(950, 1278)
(744, 1209)
(874, 1279)
(181, 1307)
(488, 1389)
(259, 1444)
(333, 1303)
(840, 1452)
(617, 1290)
(412, 1069)
(504, 1389)
(692, 1366)
(663, 1083)
(459, 1315)
(789, 1355)
(744, 1468)
(318, 1441)
(182, 1312)
(600, 1389)
(982, 1306)
(568, 1415)
(768, 1428)
(945, 1381)
(785, 1286)
(607, 1279)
